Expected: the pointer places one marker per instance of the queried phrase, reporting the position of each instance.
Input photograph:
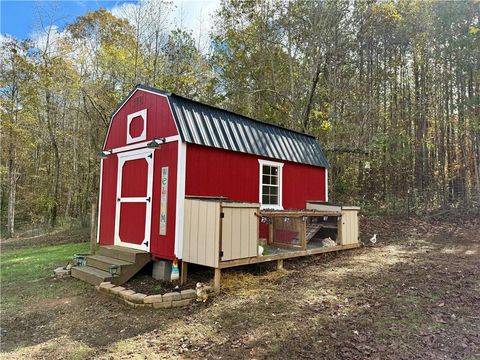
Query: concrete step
(90, 274)
(123, 253)
(104, 263)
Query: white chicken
(373, 239)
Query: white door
(134, 199)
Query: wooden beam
(298, 213)
(183, 273)
(93, 228)
(286, 255)
(217, 279)
(303, 235)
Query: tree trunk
(56, 158)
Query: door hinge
(220, 253)
(145, 243)
(148, 199)
(222, 215)
(150, 156)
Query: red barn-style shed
(161, 148)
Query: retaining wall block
(188, 294)
(172, 296)
(151, 299)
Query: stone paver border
(138, 300)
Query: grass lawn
(26, 273)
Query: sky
(21, 19)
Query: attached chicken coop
(220, 234)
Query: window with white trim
(270, 184)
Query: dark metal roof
(203, 124)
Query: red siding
(160, 121)
(163, 246)
(215, 172)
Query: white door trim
(146, 154)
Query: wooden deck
(286, 254)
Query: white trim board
(280, 184)
(99, 203)
(141, 145)
(143, 114)
(326, 185)
(179, 216)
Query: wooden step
(90, 274)
(129, 262)
(123, 253)
(104, 263)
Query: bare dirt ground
(414, 294)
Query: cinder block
(153, 299)
(188, 294)
(162, 305)
(162, 270)
(183, 302)
(172, 296)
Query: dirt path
(414, 294)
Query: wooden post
(183, 273)
(270, 232)
(340, 240)
(217, 279)
(280, 264)
(303, 234)
(93, 233)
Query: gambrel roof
(202, 124)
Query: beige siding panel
(253, 233)
(239, 233)
(201, 232)
(205, 232)
(227, 234)
(194, 231)
(236, 234)
(187, 230)
(217, 236)
(210, 234)
(349, 227)
(244, 233)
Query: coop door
(134, 199)
(239, 233)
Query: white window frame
(279, 165)
(143, 135)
